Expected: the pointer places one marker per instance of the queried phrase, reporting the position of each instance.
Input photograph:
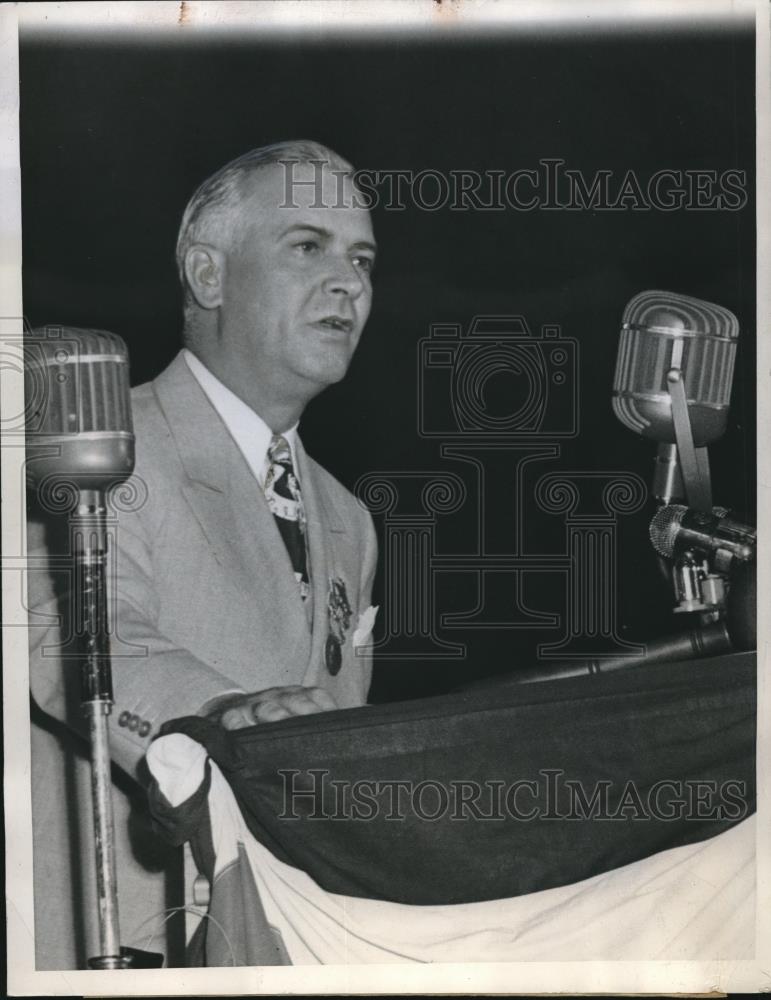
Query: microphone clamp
(704, 548)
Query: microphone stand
(90, 554)
(710, 640)
(79, 443)
(89, 536)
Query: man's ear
(205, 270)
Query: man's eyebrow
(364, 245)
(305, 227)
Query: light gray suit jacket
(203, 600)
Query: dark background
(115, 137)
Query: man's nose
(344, 279)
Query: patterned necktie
(282, 491)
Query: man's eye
(308, 246)
(366, 264)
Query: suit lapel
(229, 505)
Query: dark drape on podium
(572, 778)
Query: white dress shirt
(248, 429)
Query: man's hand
(271, 705)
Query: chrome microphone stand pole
(90, 554)
(89, 546)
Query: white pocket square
(363, 634)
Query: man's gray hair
(209, 213)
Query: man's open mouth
(336, 323)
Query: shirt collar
(247, 428)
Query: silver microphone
(79, 425)
(674, 372)
(675, 528)
(80, 439)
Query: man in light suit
(213, 614)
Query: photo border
(529, 977)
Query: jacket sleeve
(154, 679)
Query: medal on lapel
(339, 619)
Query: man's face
(298, 286)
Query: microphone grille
(661, 330)
(78, 407)
(664, 528)
(678, 314)
(80, 380)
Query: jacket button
(144, 728)
(133, 722)
(123, 718)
